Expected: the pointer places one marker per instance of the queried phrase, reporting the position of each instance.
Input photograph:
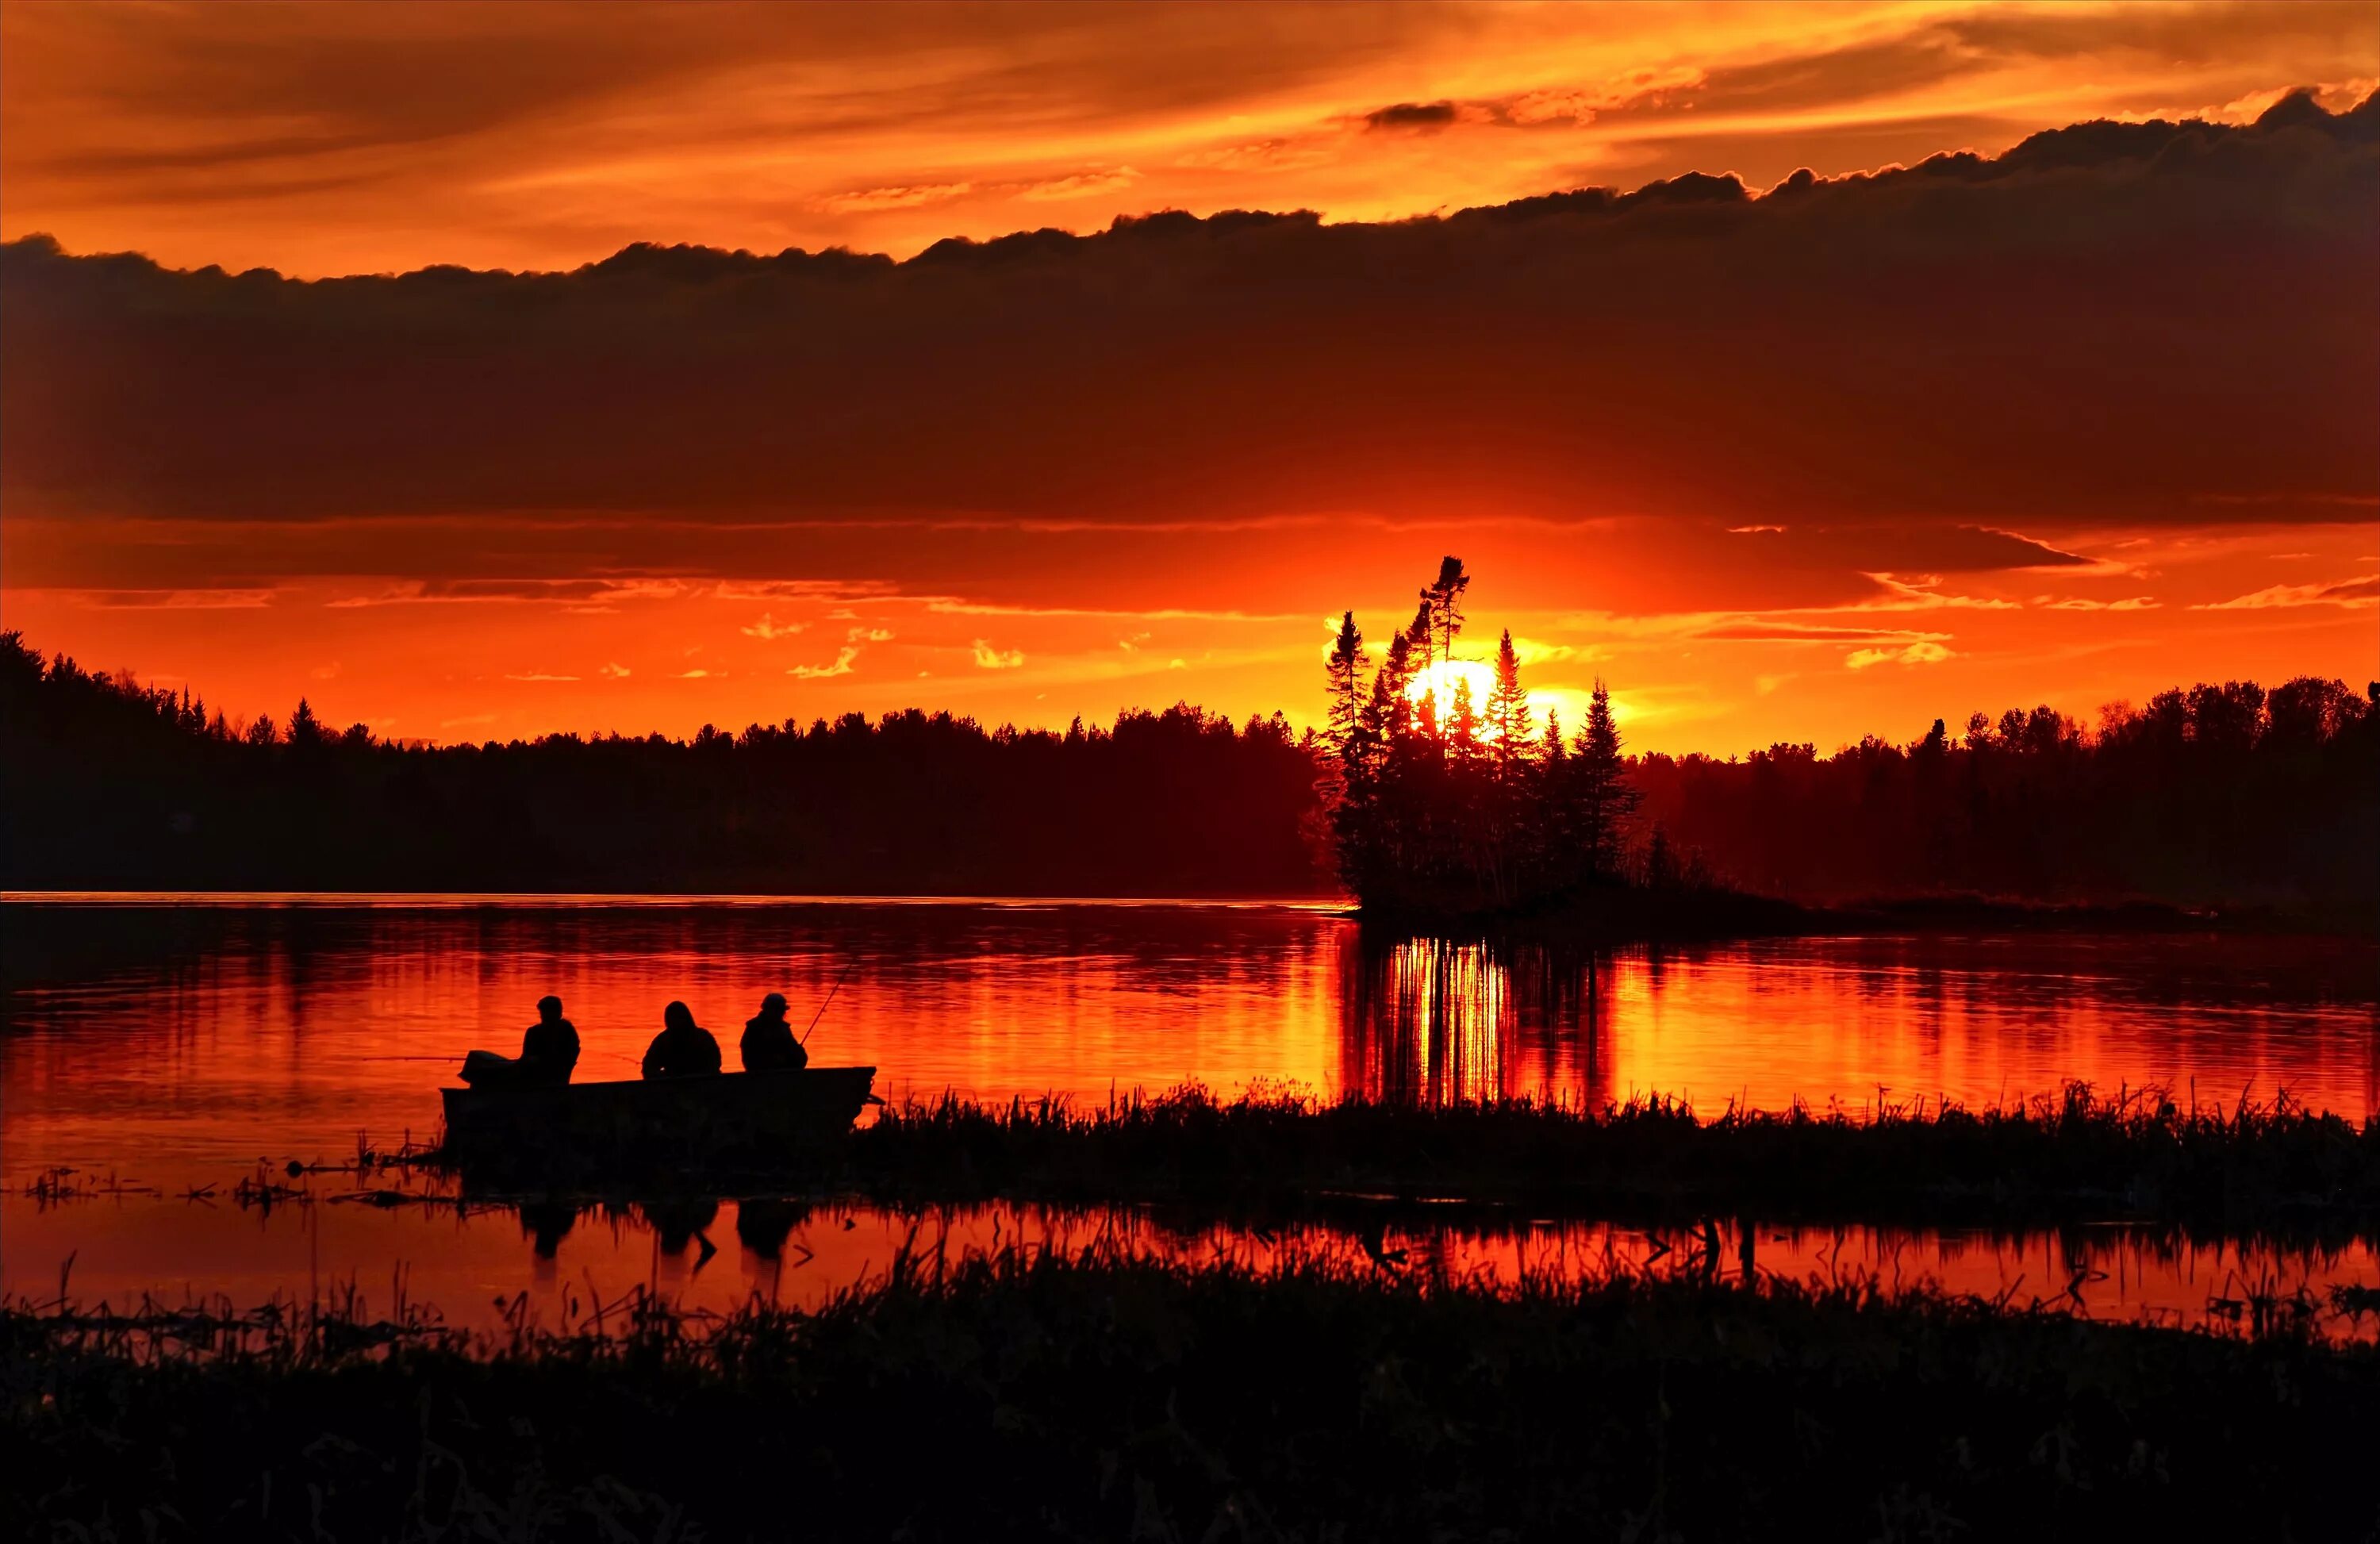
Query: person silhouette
(769, 1044)
(682, 1048)
(550, 1048)
(548, 1054)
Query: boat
(748, 1116)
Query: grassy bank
(1094, 1395)
(2250, 1169)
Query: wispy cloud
(169, 600)
(578, 594)
(1755, 630)
(616, 671)
(1080, 185)
(1923, 592)
(2136, 602)
(2356, 594)
(845, 658)
(542, 676)
(1916, 653)
(989, 658)
(868, 200)
(769, 628)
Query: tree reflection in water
(1434, 1020)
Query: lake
(161, 1048)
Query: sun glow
(1439, 682)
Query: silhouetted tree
(1443, 601)
(1509, 718)
(1346, 686)
(1604, 799)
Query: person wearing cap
(769, 1043)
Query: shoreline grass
(1094, 1394)
(2253, 1169)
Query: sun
(1437, 682)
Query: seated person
(549, 1052)
(682, 1048)
(769, 1043)
(550, 1049)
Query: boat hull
(753, 1116)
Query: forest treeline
(1441, 805)
(2213, 795)
(111, 783)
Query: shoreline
(1682, 919)
(2274, 1170)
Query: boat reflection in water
(484, 1264)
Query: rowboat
(756, 1117)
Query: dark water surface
(171, 1047)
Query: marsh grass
(1093, 1392)
(2250, 1168)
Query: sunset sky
(1839, 457)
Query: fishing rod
(848, 969)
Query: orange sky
(1118, 486)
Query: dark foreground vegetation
(2223, 795)
(2265, 1170)
(1097, 1396)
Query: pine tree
(1422, 630)
(1346, 685)
(1507, 711)
(1604, 799)
(1443, 602)
(1393, 686)
(1462, 724)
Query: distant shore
(1632, 916)
(1622, 917)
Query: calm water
(174, 1047)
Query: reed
(1091, 1392)
(2246, 1168)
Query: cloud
(1426, 117)
(171, 600)
(2135, 602)
(844, 660)
(616, 671)
(989, 658)
(866, 200)
(766, 630)
(693, 675)
(1794, 632)
(869, 635)
(588, 595)
(1685, 353)
(542, 676)
(1921, 592)
(1079, 185)
(1916, 653)
(2356, 594)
